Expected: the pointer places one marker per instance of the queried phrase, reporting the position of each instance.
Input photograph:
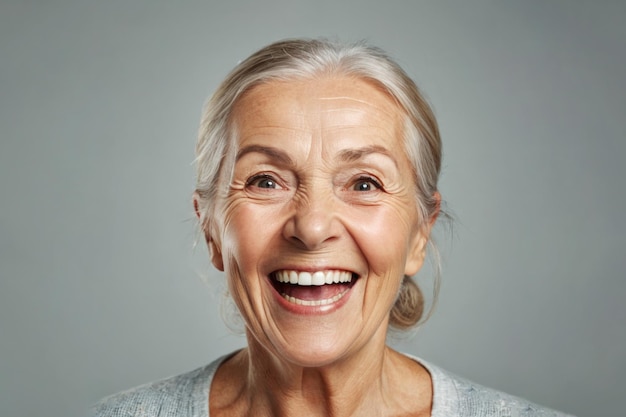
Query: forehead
(321, 103)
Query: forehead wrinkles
(360, 105)
(315, 111)
(304, 98)
(265, 105)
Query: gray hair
(295, 59)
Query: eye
(364, 184)
(262, 181)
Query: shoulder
(456, 396)
(181, 395)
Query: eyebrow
(352, 155)
(270, 151)
(346, 155)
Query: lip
(302, 309)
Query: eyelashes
(360, 184)
(365, 184)
(263, 181)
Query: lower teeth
(326, 301)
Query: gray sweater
(187, 395)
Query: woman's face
(320, 222)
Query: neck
(373, 381)
(336, 389)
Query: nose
(314, 222)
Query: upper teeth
(313, 278)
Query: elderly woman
(317, 191)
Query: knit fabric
(187, 395)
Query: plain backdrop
(102, 289)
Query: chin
(314, 349)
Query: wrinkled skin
(321, 182)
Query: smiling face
(320, 221)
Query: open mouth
(313, 288)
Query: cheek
(383, 237)
(382, 234)
(244, 247)
(248, 233)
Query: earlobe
(216, 253)
(417, 254)
(417, 251)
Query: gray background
(101, 288)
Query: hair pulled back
(296, 59)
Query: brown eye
(364, 184)
(262, 181)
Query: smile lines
(313, 278)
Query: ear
(215, 250)
(417, 252)
(196, 205)
(417, 246)
(216, 253)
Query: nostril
(311, 233)
(296, 239)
